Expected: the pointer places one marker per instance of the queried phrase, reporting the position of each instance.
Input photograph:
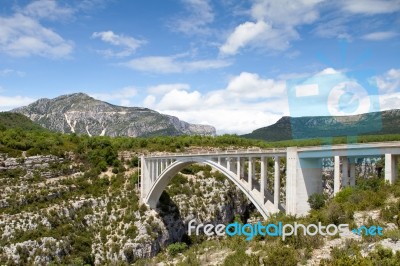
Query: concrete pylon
(390, 168)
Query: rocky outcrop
(82, 114)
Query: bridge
(303, 172)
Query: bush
(281, 255)
(241, 258)
(131, 232)
(317, 201)
(176, 248)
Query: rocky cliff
(82, 114)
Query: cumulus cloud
(389, 89)
(173, 64)
(234, 109)
(10, 102)
(22, 34)
(251, 86)
(389, 82)
(127, 43)
(272, 25)
(123, 95)
(165, 88)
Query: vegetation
(105, 192)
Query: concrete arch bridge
(303, 172)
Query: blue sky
(225, 63)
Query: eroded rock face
(82, 114)
(114, 231)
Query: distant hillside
(287, 128)
(82, 114)
(13, 120)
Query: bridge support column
(228, 163)
(303, 178)
(263, 176)
(277, 183)
(390, 168)
(238, 167)
(251, 173)
(352, 172)
(157, 168)
(336, 175)
(242, 162)
(345, 172)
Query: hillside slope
(14, 120)
(287, 128)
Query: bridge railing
(222, 153)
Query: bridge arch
(164, 178)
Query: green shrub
(176, 248)
(281, 255)
(131, 232)
(317, 201)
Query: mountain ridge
(288, 128)
(82, 114)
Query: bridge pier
(303, 178)
(390, 168)
(263, 177)
(277, 183)
(345, 172)
(352, 172)
(251, 170)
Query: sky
(236, 65)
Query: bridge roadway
(303, 172)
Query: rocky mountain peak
(82, 114)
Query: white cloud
(199, 15)
(22, 34)
(164, 88)
(389, 101)
(10, 102)
(173, 64)
(389, 82)
(286, 12)
(250, 101)
(124, 95)
(235, 109)
(47, 9)
(128, 44)
(273, 25)
(180, 100)
(371, 7)
(251, 86)
(243, 35)
(379, 35)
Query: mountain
(13, 120)
(287, 128)
(82, 114)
